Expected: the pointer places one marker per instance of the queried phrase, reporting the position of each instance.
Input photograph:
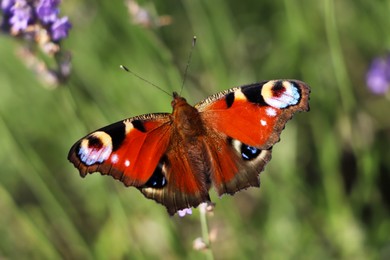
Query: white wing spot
(263, 122)
(114, 158)
(271, 112)
(127, 163)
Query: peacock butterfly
(223, 141)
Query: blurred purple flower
(38, 22)
(47, 10)
(6, 5)
(60, 28)
(378, 75)
(183, 212)
(21, 15)
(40, 14)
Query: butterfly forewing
(255, 114)
(128, 150)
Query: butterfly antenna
(188, 63)
(143, 79)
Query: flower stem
(205, 231)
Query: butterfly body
(224, 141)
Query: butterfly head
(186, 118)
(178, 100)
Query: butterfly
(224, 142)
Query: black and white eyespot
(281, 94)
(247, 152)
(95, 148)
(157, 180)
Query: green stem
(205, 231)
(341, 74)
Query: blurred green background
(325, 194)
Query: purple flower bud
(47, 10)
(378, 75)
(22, 14)
(60, 28)
(183, 212)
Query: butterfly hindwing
(187, 182)
(232, 171)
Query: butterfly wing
(141, 152)
(128, 150)
(245, 122)
(186, 183)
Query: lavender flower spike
(378, 75)
(47, 10)
(6, 5)
(60, 28)
(37, 22)
(21, 15)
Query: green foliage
(324, 195)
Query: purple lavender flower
(6, 6)
(60, 28)
(183, 212)
(47, 10)
(21, 15)
(37, 22)
(378, 75)
(6, 10)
